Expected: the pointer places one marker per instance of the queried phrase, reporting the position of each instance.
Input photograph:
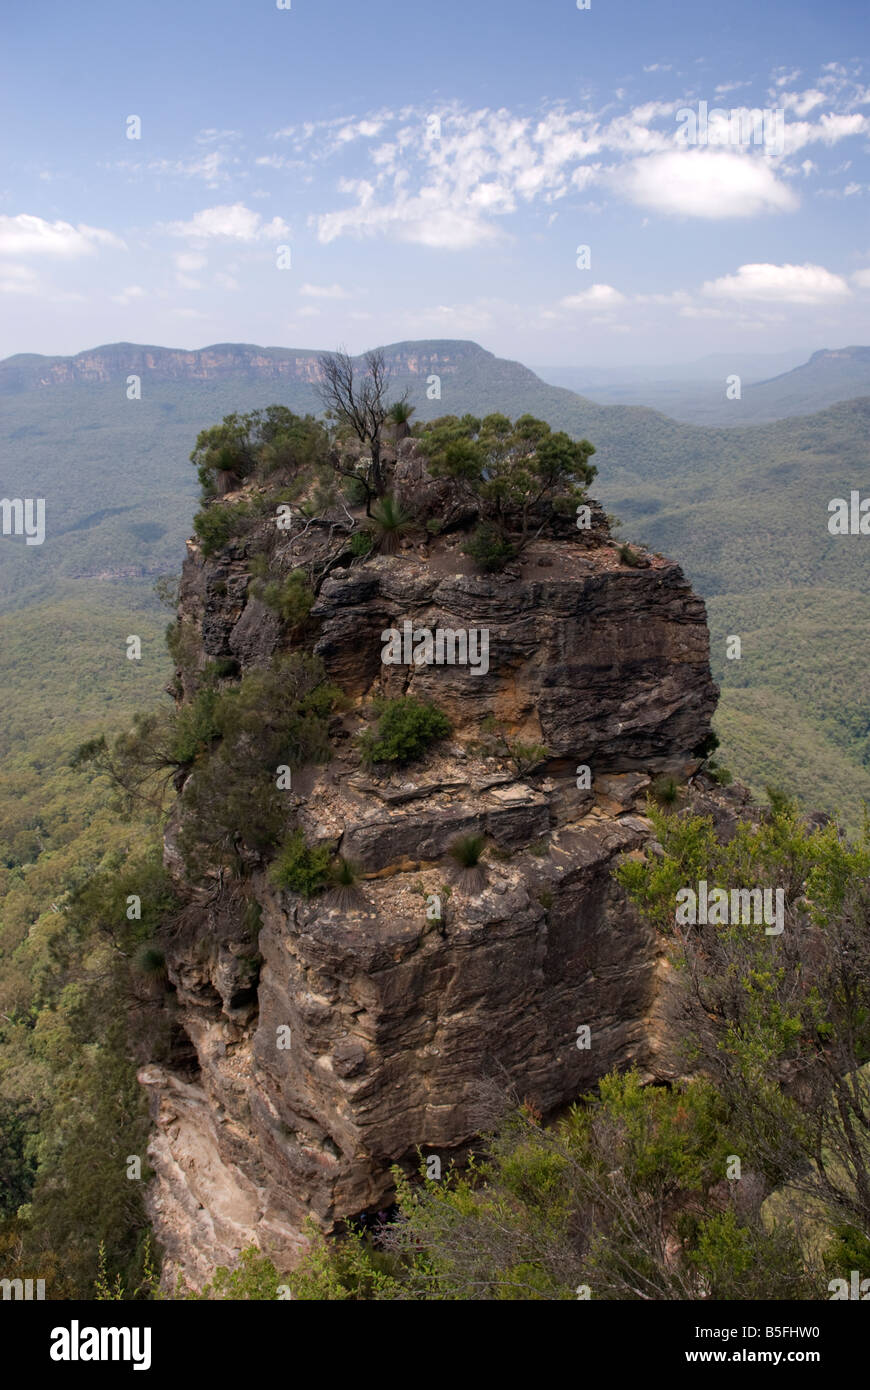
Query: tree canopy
(512, 467)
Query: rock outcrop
(351, 1035)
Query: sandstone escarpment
(341, 1037)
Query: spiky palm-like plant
(391, 523)
(665, 791)
(345, 892)
(467, 852)
(400, 414)
(151, 962)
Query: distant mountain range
(743, 509)
(220, 361)
(695, 393)
(772, 388)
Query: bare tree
(359, 401)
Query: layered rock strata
(397, 1022)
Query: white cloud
(232, 221)
(801, 102)
(597, 297)
(449, 192)
(828, 130)
(27, 235)
(324, 291)
(353, 131)
(278, 161)
(705, 183)
(861, 278)
(423, 218)
(456, 188)
(128, 295)
(786, 284)
(209, 167)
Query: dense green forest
(70, 1108)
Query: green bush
(254, 1279)
(182, 643)
(527, 755)
(218, 523)
(489, 548)
(596, 1198)
(291, 598)
(273, 717)
(629, 556)
(259, 566)
(195, 726)
(258, 445)
(354, 492)
(224, 668)
(719, 774)
(406, 728)
(301, 868)
(361, 543)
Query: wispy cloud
(324, 291)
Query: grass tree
(391, 523)
(466, 853)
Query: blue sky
(430, 170)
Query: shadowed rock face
(396, 1021)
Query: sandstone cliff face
(113, 361)
(396, 1021)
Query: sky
(535, 176)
